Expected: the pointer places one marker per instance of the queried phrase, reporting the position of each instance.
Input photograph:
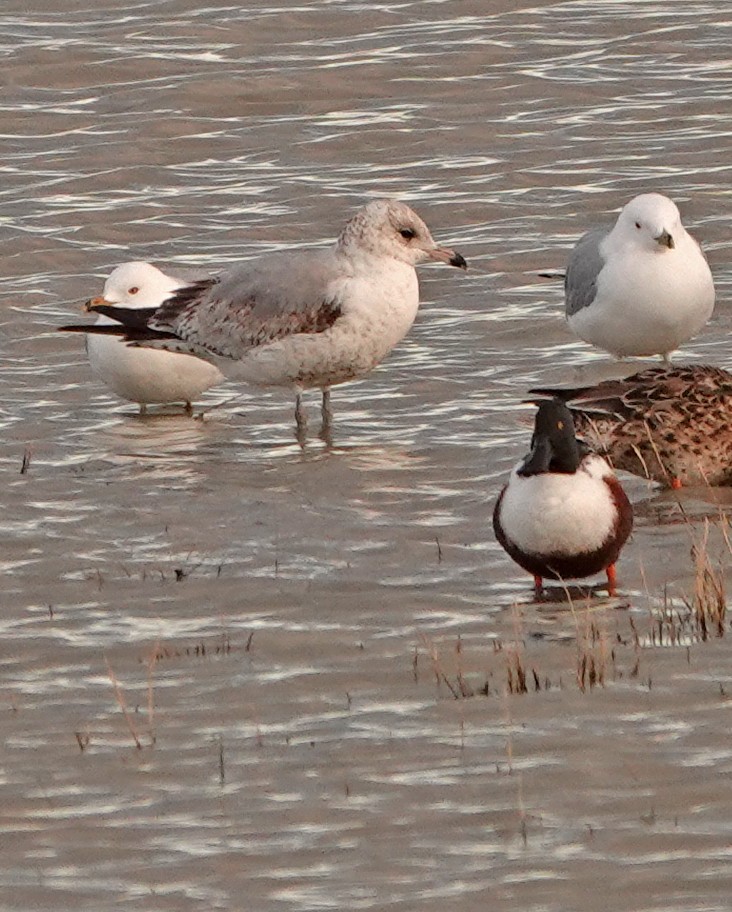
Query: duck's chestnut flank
(561, 566)
(563, 514)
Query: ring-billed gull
(641, 288)
(307, 319)
(563, 514)
(670, 424)
(143, 375)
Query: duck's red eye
(133, 290)
(638, 225)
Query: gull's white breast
(378, 306)
(147, 375)
(647, 302)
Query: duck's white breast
(560, 514)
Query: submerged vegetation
(609, 639)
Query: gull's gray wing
(583, 268)
(272, 297)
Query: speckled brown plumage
(301, 319)
(252, 328)
(670, 424)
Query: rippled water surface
(287, 631)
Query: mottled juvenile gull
(143, 375)
(301, 320)
(641, 288)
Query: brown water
(307, 607)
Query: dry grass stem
(151, 666)
(709, 604)
(25, 464)
(459, 689)
(123, 706)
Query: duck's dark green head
(554, 448)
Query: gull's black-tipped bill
(457, 259)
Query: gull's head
(388, 228)
(135, 285)
(650, 220)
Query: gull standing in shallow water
(642, 288)
(301, 320)
(563, 514)
(143, 375)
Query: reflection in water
(286, 624)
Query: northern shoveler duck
(143, 375)
(563, 514)
(669, 424)
(641, 288)
(302, 319)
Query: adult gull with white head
(643, 287)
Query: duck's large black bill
(554, 447)
(539, 459)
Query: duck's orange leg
(538, 585)
(676, 484)
(611, 580)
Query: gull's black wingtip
(77, 328)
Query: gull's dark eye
(638, 225)
(133, 290)
(408, 233)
